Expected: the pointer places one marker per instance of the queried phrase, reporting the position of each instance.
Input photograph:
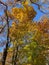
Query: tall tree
(27, 37)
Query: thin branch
(4, 25)
(38, 6)
(2, 28)
(3, 3)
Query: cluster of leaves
(30, 39)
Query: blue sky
(39, 13)
(37, 17)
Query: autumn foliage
(31, 37)
(29, 40)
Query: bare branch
(2, 28)
(38, 6)
(3, 3)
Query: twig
(38, 6)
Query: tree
(21, 28)
(26, 37)
(35, 41)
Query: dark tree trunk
(4, 55)
(14, 58)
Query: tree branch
(38, 7)
(4, 25)
(2, 28)
(3, 3)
